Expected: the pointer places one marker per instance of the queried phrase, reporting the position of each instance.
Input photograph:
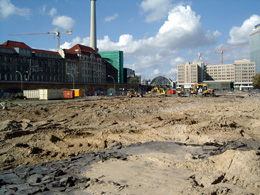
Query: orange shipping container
(68, 94)
(78, 92)
(171, 91)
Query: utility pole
(114, 81)
(21, 77)
(72, 79)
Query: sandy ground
(36, 132)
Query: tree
(256, 81)
(134, 80)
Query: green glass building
(116, 58)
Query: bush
(256, 81)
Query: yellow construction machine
(201, 89)
(159, 91)
(133, 93)
(180, 91)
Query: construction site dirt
(170, 145)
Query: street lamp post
(21, 76)
(72, 79)
(113, 80)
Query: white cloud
(156, 71)
(63, 22)
(176, 61)
(7, 9)
(172, 74)
(52, 12)
(181, 31)
(157, 9)
(217, 33)
(240, 34)
(125, 39)
(44, 9)
(76, 40)
(180, 19)
(110, 18)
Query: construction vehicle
(133, 93)
(180, 91)
(18, 96)
(159, 91)
(202, 90)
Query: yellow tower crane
(222, 50)
(56, 32)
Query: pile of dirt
(233, 172)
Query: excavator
(201, 89)
(160, 91)
(180, 91)
(133, 93)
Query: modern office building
(244, 73)
(128, 74)
(116, 58)
(254, 40)
(222, 72)
(190, 73)
(112, 71)
(240, 74)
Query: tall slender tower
(93, 40)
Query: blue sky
(155, 35)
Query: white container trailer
(31, 94)
(51, 94)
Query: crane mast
(56, 32)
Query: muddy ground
(33, 132)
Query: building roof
(71, 56)
(71, 53)
(45, 51)
(81, 49)
(5, 47)
(13, 44)
(161, 81)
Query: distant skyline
(155, 35)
